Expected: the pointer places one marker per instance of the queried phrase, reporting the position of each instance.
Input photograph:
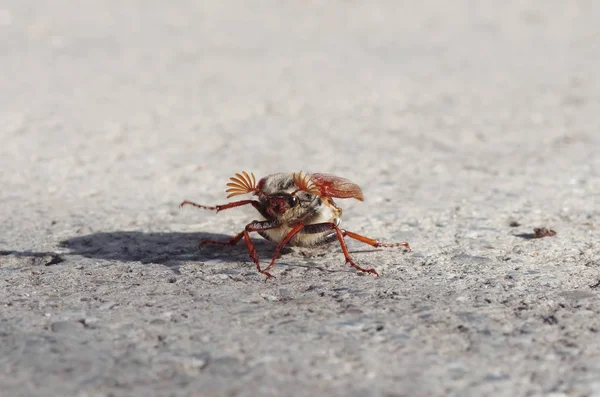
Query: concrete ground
(468, 124)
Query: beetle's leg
(251, 227)
(232, 241)
(255, 227)
(283, 242)
(323, 227)
(340, 233)
(373, 242)
(222, 207)
(349, 260)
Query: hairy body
(310, 210)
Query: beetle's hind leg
(349, 260)
(339, 233)
(373, 242)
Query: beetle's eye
(293, 201)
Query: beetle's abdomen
(302, 239)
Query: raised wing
(337, 187)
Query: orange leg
(340, 234)
(251, 227)
(221, 207)
(232, 241)
(283, 242)
(254, 227)
(349, 260)
(372, 242)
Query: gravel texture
(468, 125)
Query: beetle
(297, 209)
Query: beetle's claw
(269, 275)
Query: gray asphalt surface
(467, 124)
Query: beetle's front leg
(234, 240)
(257, 226)
(222, 207)
(283, 242)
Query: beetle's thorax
(276, 189)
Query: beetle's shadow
(170, 249)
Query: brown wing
(337, 187)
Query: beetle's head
(279, 203)
(284, 195)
